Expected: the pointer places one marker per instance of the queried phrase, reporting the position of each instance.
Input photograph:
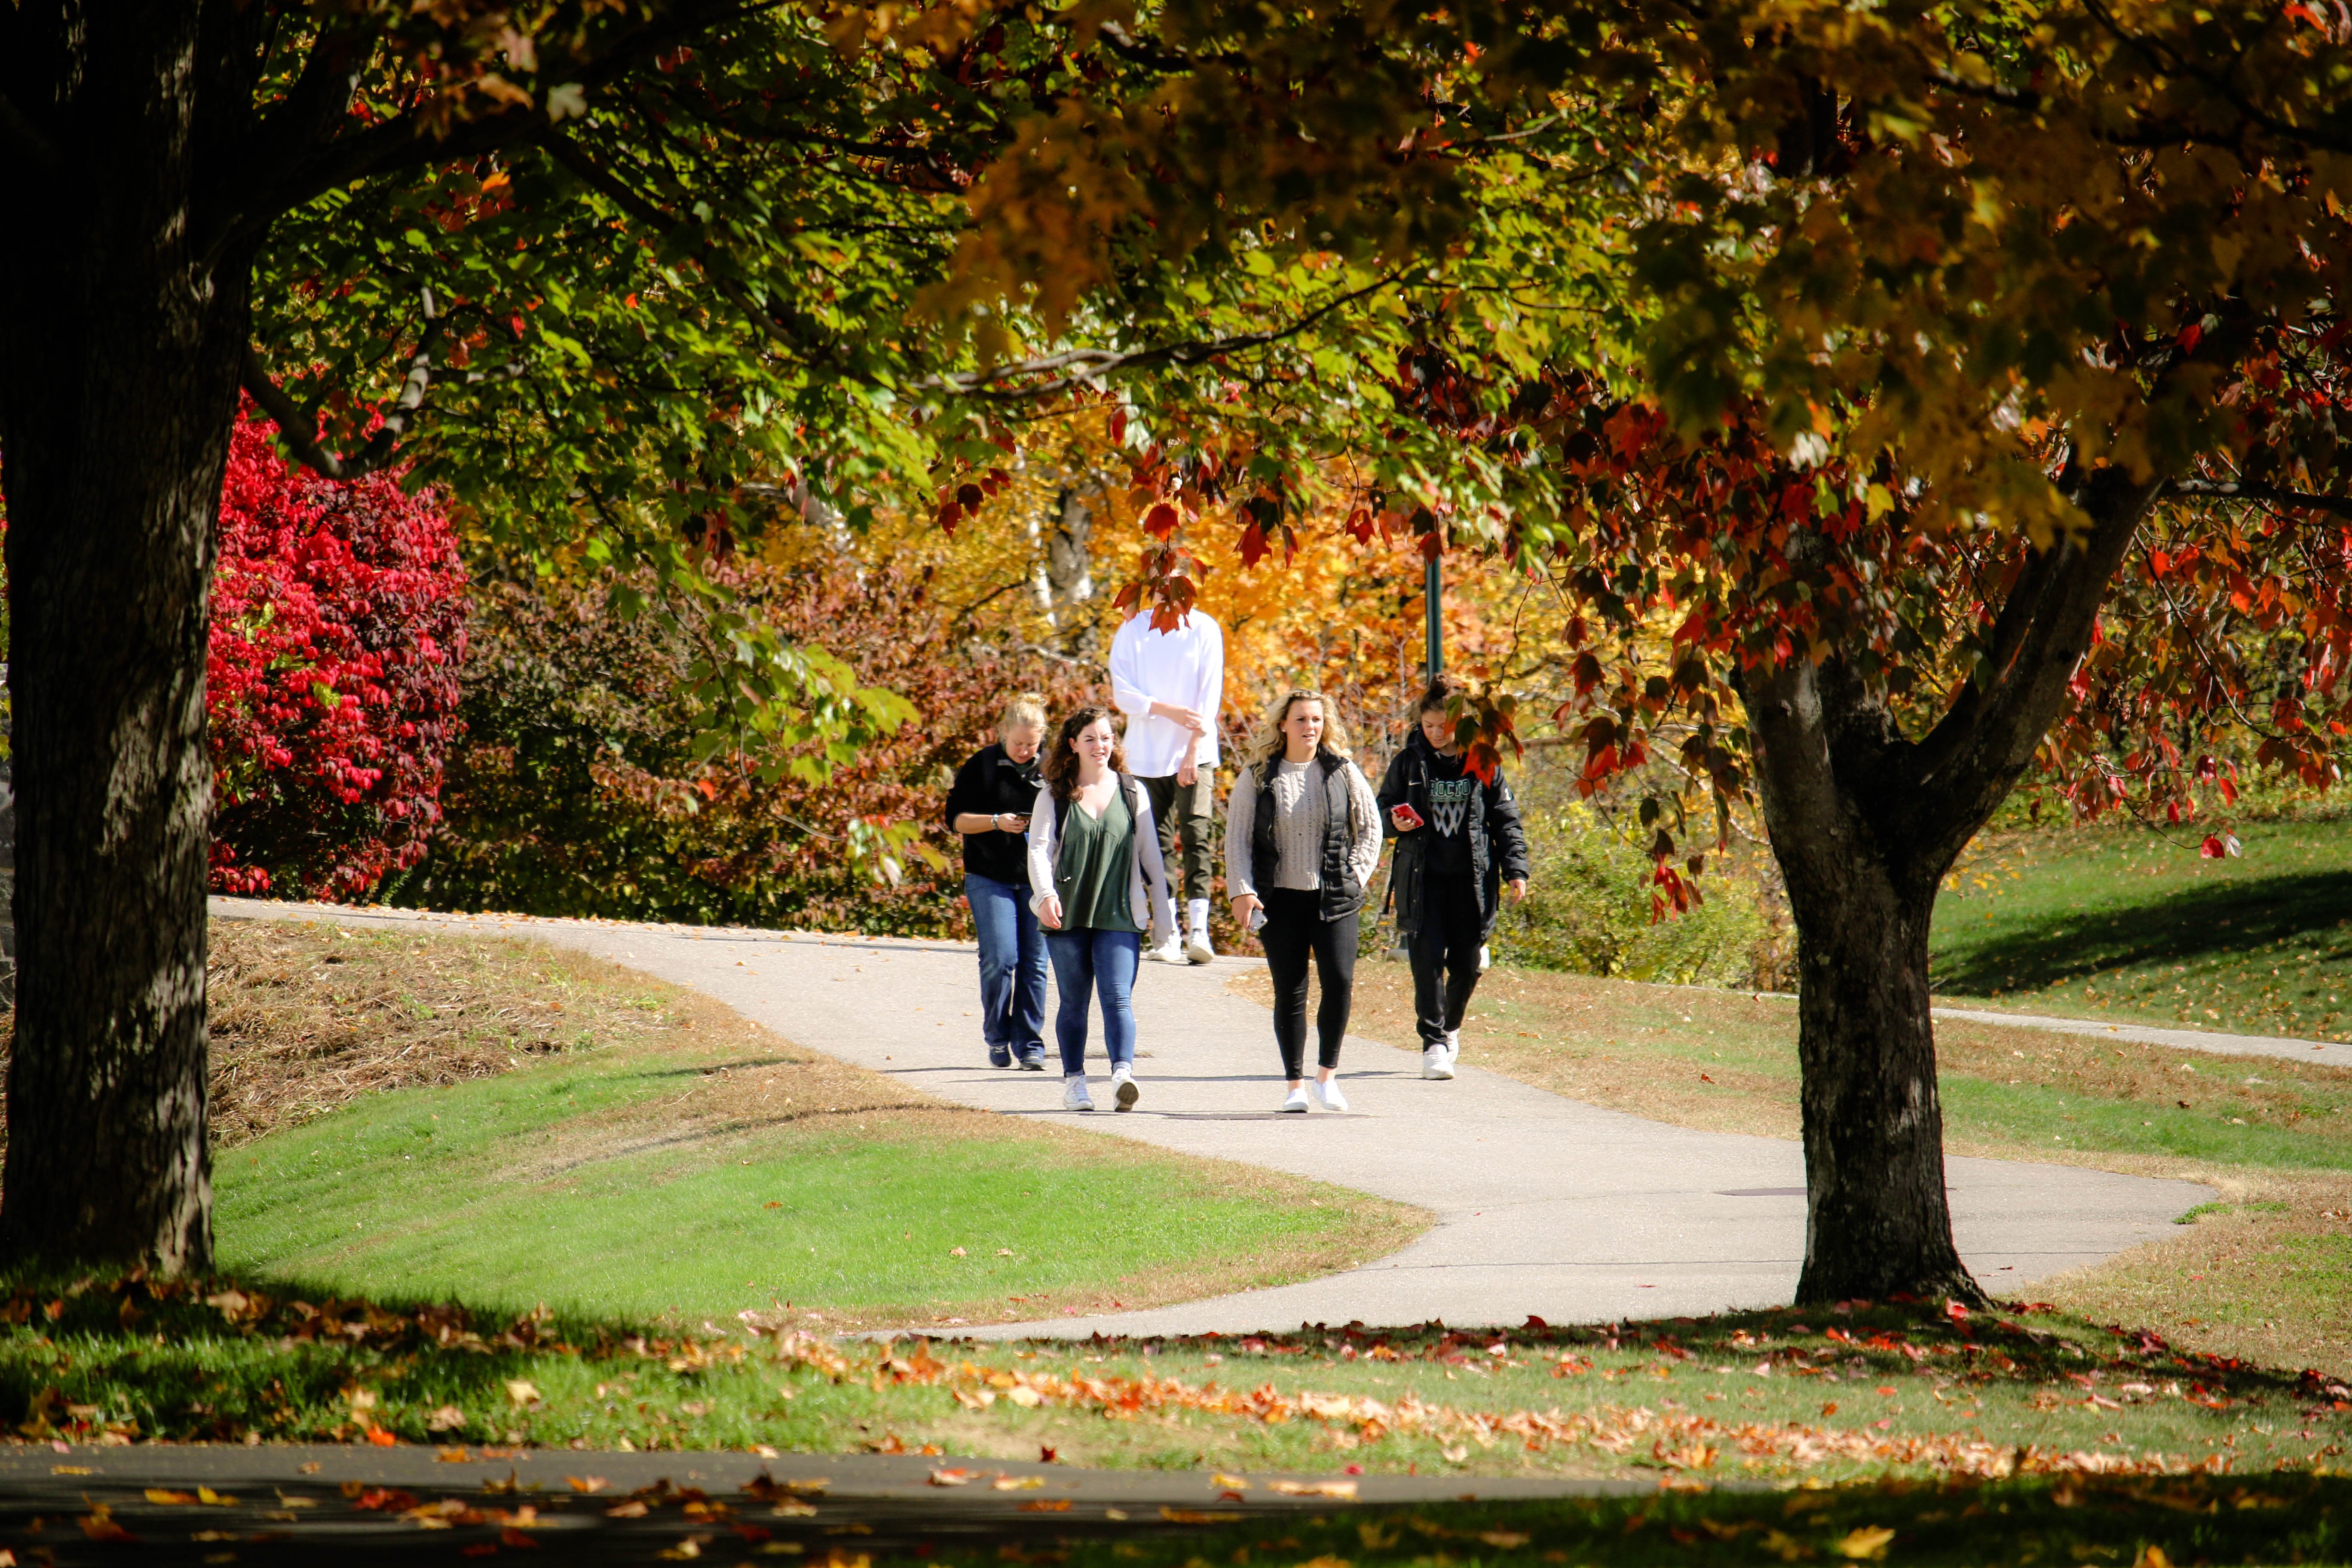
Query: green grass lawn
(674, 1165)
(2133, 925)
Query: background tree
(331, 692)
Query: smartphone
(1405, 818)
(1257, 918)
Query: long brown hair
(1267, 746)
(1062, 762)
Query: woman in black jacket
(1459, 844)
(989, 806)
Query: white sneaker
(1295, 1099)
(1123, 1088)
(1168, 952)
(1436, 1063)
(1328, 1093)
(1197, 948)
(1074, 1096)
(1452, 1046)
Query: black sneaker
(1000, 1055)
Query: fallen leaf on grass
(1044, 1505)
(1024, 1396)
(521, 1391)
(448, 1418)
(1504, 1540)
(1313, 1489)
(1866, 1545)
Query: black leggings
(1293, 929)
(1444, 953)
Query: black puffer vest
(1340, 894)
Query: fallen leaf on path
(99, 1525)
(1238, 1483)
(1046, 1505)
(1019, 1483)
(953, 1477)
(586, 1483)
(633, 1508)
(1190, 1516)
(1313, 1489)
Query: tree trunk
(121, 352)
(1877, 1221)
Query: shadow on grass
(2223, 917)
(116, 1358)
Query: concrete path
(303, 1504)
(2326, 1053)
(1544, 1206)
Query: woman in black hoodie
(989, 806)
(1459, 844)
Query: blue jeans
(1091, 960)
(1011, 966)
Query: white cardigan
(1146, 873)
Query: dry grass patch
(306, 1017)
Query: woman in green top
(1094, 869)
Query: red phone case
(1413, 817)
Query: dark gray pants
(1189, 810)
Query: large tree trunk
(118, 351)
(1865, 823)
(1877, 1221)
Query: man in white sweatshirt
(1170, 685)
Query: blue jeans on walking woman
(1088, 960)
(1011, 970)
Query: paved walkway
(301, 1504)
(1544, 1206)
(2327, 1053)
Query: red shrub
(338, 626)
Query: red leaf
(2210, 849)
(1162, 521)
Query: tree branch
(2263, 495)
(1085, 366)
(301, 431)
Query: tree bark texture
(119, 353)
(1865, 823)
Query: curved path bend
(1544, 1206)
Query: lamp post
(1432, 597)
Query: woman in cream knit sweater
(1302, 838)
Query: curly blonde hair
(1267, 746)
